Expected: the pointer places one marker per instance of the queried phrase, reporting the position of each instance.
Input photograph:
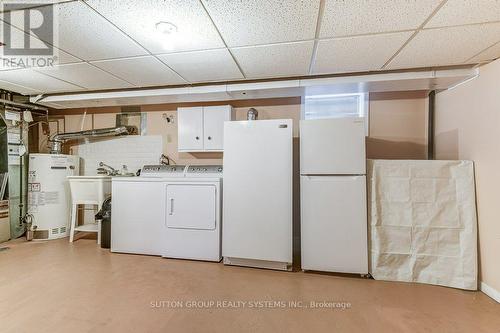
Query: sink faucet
(106, 169)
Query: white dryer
(193, 214)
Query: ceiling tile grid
(203, 66)
(357, 54)
(139, 19)
(141, 71)
(25, 5)
(461, 12)
(112, 44)
(17, 88)
(491, 53)
(446, 46)
(351, 18)
(19, 35)
(254, 22)
(276, 60)
(33, 80)
(89, 36)
(86, 76)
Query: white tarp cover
(422, 222)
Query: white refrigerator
(333, 195)
(257, 194)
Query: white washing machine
(172, 211)
(193, 214)
(138, 210)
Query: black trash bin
(105, 216)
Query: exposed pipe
(430, 126)
(22, 105)
(59, 139)
(22, 173)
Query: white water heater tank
(49, 197)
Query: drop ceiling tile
(347, 18)
(141, 71)
(22, 4)
(446, 46)
(6, 65)
(18, 89)
(491, 53)
(344, 55)
(203, 66)
(60, 56)
(65, 58)
(138, 19)
(87, 35)
(17, 36)
(29, 78)
(253, 22)
(86, 76)
(289, 59)
(459, 12)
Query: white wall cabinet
(201, 129)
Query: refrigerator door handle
(325, 177)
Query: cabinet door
(190, 129)
(180, 202)
(214, 118)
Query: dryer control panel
(163, 170)
(204, 169)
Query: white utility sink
(90, 177)
(87, 190)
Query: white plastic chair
(87, 190)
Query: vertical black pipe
(430, 126)
(21, 172)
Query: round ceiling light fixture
(166, 28)
(167, 35)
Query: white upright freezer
(257, 194)
(333, 195)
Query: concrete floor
(60, 287)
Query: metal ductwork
(59, 139)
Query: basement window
(337, 106)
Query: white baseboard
(493, 293)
